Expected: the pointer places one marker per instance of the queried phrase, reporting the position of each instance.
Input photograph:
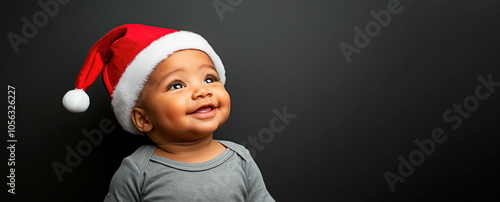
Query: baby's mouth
(205, 109)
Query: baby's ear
(140, 120)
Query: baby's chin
(206, 128)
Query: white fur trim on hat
(130, 85)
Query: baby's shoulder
(237, 148)
(139, 160)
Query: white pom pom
(76, 101)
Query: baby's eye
(210, 78)
(175, 85)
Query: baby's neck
(198, 151)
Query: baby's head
(161, 81)
(183, 99)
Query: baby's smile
(205, 111)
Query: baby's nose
(201, 91)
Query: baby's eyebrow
(207, 65)
(163, 77)
(180, 69)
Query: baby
(169, 86)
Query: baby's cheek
(224, 97)
(225, 106)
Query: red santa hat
(125, 57)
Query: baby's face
(184, 97)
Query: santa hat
(126, 56)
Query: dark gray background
(352, 119)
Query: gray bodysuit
(231, 176)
